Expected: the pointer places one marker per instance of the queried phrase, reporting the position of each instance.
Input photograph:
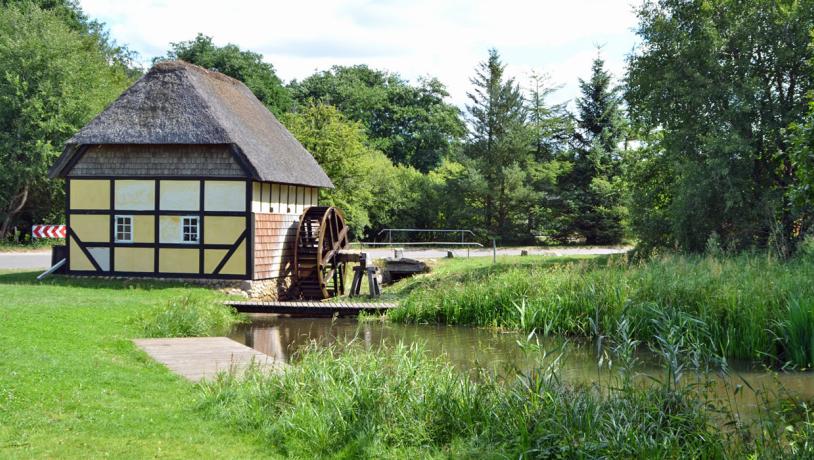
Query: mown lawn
(73, 385)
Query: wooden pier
(199, 358)
(311, 308)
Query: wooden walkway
(311, 308)
(199, 358)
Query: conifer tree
(498, 144)
(591, 192)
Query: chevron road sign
(48, 231)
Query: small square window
(124, 229)
(189, 229)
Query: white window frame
(116, 228)
(197, 229)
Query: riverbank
(747, 307)
(73, 385)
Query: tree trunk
(15, 205)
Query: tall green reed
(188, 316)
(742, 299)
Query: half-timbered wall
(276, 209)
(166, 227)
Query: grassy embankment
(72, 385)
(401, 403)
(753, 306)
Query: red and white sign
(48, 231)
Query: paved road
(379, 253)
(42, 259)
(25, 260)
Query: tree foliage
(499, 147)
(246, 66)
(53, 80)
(412, 124)
(720, 81)
(591, 193)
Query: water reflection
(469, 348)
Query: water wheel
(319, 269)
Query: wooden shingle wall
(274, 236)
(157, 160)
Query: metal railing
(390, 231)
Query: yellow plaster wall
(178, 260)
(90, 194)
(169, 229)
(134, 194)
(180, 195)
(236, 265)
(143, 229)
(224, 195)
(78, 259)
(212, 258)
(133, 259)
(223, 229)
(91, 228)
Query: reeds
(755, 306)
(399, 402)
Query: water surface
(469, 348)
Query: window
(189, 229)
(124, 229)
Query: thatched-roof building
(186, 174)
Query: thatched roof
(180, 103)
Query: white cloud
(445, 39)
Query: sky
(441, 38)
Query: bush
(189, 317)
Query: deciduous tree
(412, 124)
(53, 80)
(720, 81)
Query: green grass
(30, 245)
(72, 384)
(756, 307)
(189, 316)
(398, 402)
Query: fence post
(494, 251)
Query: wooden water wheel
(319, 269)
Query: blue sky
(444, 39)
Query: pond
(469, 348)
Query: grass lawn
(73, 385)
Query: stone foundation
(269, 289)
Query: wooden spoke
(321, 235)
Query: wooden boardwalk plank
(311, 308)
(197, 358)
